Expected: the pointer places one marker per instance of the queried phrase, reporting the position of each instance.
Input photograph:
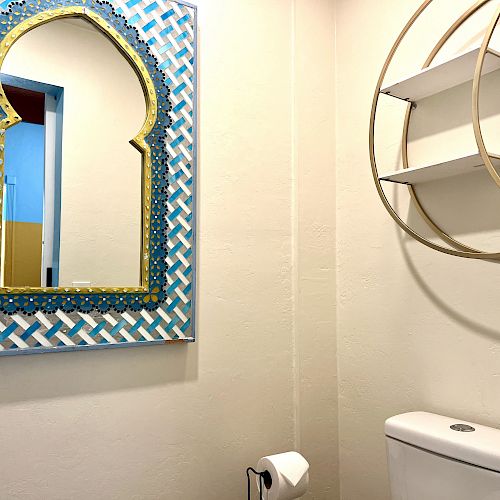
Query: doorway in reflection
(32, 185)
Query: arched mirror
(72, 198)
(83, 161)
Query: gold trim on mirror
(139, 141)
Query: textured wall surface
(314, 120)
(418, 330)
(183, 421)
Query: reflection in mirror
(72, 195)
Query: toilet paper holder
(265, 481)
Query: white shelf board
(444, 76)
(427, 173)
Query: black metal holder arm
(265, 481)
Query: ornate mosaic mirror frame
(158, 38)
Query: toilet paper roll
(289, 473)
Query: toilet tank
(432, 457)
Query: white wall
(183, 422)
(101, 171)
(417, 330)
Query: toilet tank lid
(434, 433)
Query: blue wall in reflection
(24, 170)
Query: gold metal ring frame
(459, 250)
(139, 142)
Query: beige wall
(314, 213)
(183, 422)
(101, 171)
(417, 330)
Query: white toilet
(439, 458)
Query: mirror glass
(72, 191)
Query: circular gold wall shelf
(458, 249)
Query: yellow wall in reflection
(23, 254)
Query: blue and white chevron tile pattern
(169, 28)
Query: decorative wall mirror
(97, 160)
